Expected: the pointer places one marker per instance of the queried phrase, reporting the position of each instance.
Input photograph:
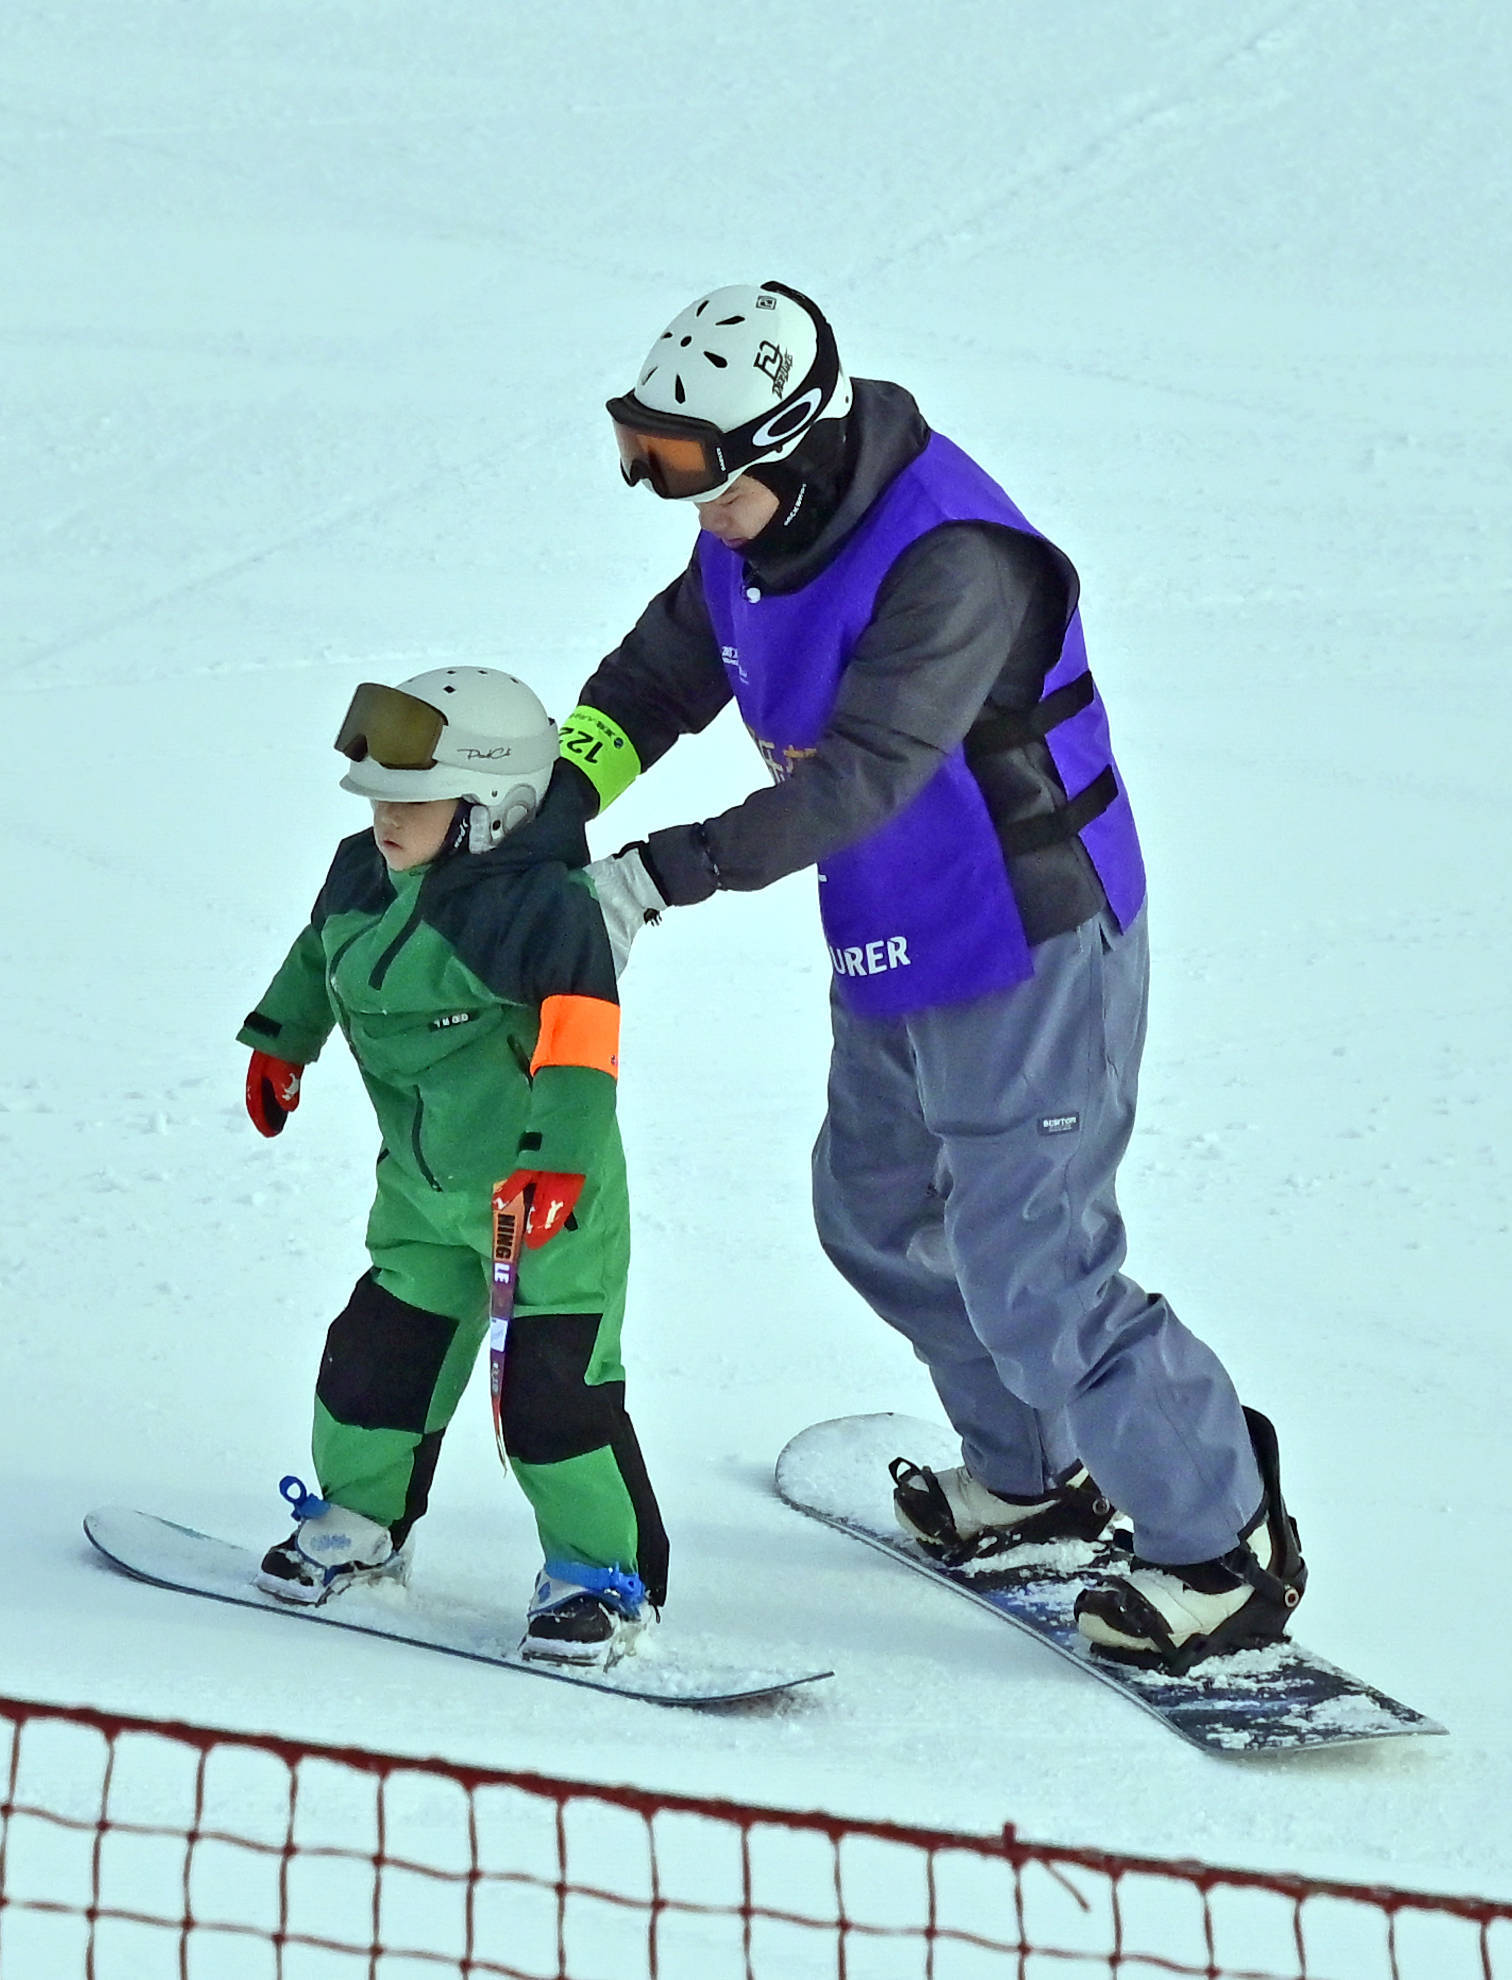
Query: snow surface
(309, 311)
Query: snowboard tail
(1268, 1700)
(191, 1563)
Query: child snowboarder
(460, 948)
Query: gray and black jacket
(967, 625)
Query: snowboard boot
(955, 1518)
(328, 1550)
(1170, 1618)
(584, 1616)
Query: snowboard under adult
(1248, 1701)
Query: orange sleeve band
(578, 1031)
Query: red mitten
(553, 1197)
(272, 1092)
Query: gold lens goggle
(677, 465)
(393, 728)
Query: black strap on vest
(1006, 730)
(1052, 828)
(999, 732)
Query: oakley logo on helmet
(765, 301)
(788, 420)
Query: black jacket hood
(555, 836)
(884, 431)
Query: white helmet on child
(736, 379)
(458, 732)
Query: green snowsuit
(477, 995)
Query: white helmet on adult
(458, 732)
(737, 379)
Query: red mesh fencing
(133, 1849)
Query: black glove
(680, 864)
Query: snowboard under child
(459, 947)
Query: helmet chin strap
(458, 831)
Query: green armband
(602, 751)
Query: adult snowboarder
(907, 652)
(458, 947)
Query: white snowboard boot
(1170, 1618)
(585, 1616)
(954, 1517)
(328, 1550)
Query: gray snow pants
(964, 1185)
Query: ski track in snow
(1131, 126)
(312, 320)
(309, 531)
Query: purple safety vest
(919, 912)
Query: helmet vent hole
(685, 343)
(651, 373)
(725, 322)
(680, 391)
(702, 307)
(715, 358)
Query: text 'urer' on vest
(872, 958)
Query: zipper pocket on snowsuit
(417, 1145)
(330, 979)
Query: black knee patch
(548, 1410)
(382, 1360)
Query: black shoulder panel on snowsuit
(358, 881)
(528, 934)
(519, 918)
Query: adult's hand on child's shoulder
(272, 1092)
(628, 897)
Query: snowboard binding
(956, 1519)
(1171, 1618)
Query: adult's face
(743, 511)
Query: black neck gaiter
(808, 486)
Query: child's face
(410, 834)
